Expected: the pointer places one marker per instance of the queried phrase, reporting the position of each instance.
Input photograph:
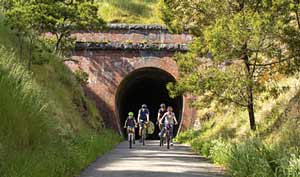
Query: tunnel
(147, 86)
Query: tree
(22, 17)
(248, 43)
(65, 16)
(58, 17)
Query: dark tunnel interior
(147, 86)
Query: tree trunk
(20, 47)
(30, 55)
(250, 108)
(297, 18)
(59, 38)
(296, 3)
(250, 102)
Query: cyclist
(168, 118)
(130, 123)
(143, 118)
(161, 111)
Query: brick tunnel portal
(147, 86)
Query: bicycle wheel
(130, 141)
(161, 142)
(168, 140)
(133, 139)
(143, 136)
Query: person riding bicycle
(143, 117)
(168, 119)
(161, 111)
(130, 123)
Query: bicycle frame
(130, 132)
(143, 131)
(166, 134)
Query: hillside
(223, 134)
(48, 127)
(130, 11)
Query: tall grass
(22, 104)
(272, 151)
(48, 127)
(30, 143)
(58, 158)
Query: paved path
(151, 161)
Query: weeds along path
(151, 161)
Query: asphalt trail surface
(151, 161)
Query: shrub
(220, 152)
(197, 144)
(288, 166)
(82, 76)
(293, 169)
(249, 159)
(187, 136)
(206, 147)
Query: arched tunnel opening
(147, 86)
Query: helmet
(130, 114)
(144, 106)
(162, 105)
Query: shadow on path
(151, 160)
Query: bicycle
(143, 131)
(131, 139)
(166, 135)
(161, 137)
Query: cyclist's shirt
(130, 122)
(161, 112)
(169, 118)
(143, 114)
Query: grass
(49, 128)
(273, 150)
(130, 11)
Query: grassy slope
(48, 127)
(271, 116)
(130, 11)
(226, 137)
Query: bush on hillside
(187, 136)
(293, 169)
(82, 76)
(251, 158)
(220, 152)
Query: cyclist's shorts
(141, 123)
(129, 128)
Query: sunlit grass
(42, 129)
(130, 11)
(273, 150)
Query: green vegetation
(251, 44)
(31, 19)
(243, 68)
(48, 127)
(273, 150)
(130, 11)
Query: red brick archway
(108, 63)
